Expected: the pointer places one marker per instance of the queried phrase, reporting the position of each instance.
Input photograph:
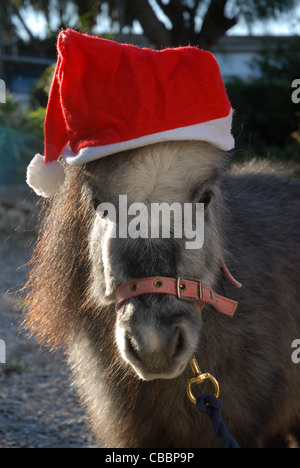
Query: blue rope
(211, 406)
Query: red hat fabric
(108, 97)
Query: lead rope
(210, 405)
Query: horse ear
(45, 178)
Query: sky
(288, 24)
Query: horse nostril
(131, 349)
(179, 343)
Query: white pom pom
(45, 178)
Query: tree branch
(174, 11)
(153, 28)
(183, 31)
(16, 12)
(215, 23)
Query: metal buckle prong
(180, 283)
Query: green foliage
(21, 137)
(279, 62)
(296, 133)
(266, 121)
(265, 117)
(34, 122)
(41, 88)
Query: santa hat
(108, 97)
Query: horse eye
(103, 214)
(206, 198)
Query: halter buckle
(181, 286)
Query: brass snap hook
(199, 378)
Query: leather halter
(185, 289)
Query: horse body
(131, 365)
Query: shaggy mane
(59, 268)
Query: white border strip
(217, 132)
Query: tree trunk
(153, 28)
(215, 23)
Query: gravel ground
(38, 406)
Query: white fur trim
(45, 178)
(217, 132)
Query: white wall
(236, 64)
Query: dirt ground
(38, 406)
